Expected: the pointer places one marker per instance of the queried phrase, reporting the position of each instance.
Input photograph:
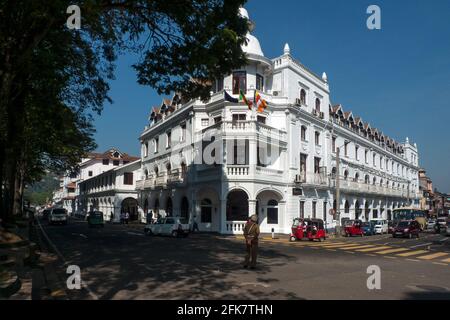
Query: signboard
(297, 192)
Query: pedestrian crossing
(441, 258)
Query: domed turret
(252, 46)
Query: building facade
(220, 161)
(112, 192)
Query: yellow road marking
(412, 253)
(373, 249)
(356, 247)
(415, 260)
(439, 263)
(392, 250)
(338, 245)
(433, 256)
(389, 257)
(446, 260)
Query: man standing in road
(251, 234)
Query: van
(381, 226)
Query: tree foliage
(52, 79)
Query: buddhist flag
(243, 98)
(261, 104)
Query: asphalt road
(119, 262)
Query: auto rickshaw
(353, 228)
(95, 219)
(311, 229)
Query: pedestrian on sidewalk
(251, 234)
(111, 218)
(127, 217)
(195, 225)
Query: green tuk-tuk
(95, 218)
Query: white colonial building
(220, 162)
(112, 192)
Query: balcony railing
(234, 227)
(247, 127)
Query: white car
(381, 226)
(57, 216)
(170, 226)
(430, 225)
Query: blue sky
(397, 78)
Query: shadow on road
(124, 267)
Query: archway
(237, 206)
(206, 211)
(184, 208)
(146, 206)
(367, 211)
(130, 205)
(358, 210)
(156, 207)
(169, 207)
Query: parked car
(431, 224)
(368, 228)
(381, 226)
(353, 228)
(391, 226)
(95, 219)
(57, 216)
(407, 228)
(170, 226)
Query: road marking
(320, 244)
(422, 245)
(433, 256)
(446, 260)
(357, 247)
(412, 253)
(389, 257)
(135, 234)
(338, 245)
(331, 250)
(415, 260)
(439, 263)
(373, 249)
(392, 251)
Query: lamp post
(338, 195)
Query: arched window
(333, 172)
(374, 180)
(237, 206)
(346, 175)
(272, 212)
(356, 177)
(347, 207)
(206, 211)
(156, 170)
(168, 167)
(381, 182)
(318, 105)
(303, 133)
(303, 96)
(367, 179)
(146, 174)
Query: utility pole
(338, 195)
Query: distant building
(426, 192)
(112, 192)
(93, 164)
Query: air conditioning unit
(298, 102)
(322, 115)
(299, 178)
(314, 112)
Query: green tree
(53, 79)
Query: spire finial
(324, 77)
(287, 50)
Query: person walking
(195, 225)
(251, 234)
(127, 217)
(111, 217)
